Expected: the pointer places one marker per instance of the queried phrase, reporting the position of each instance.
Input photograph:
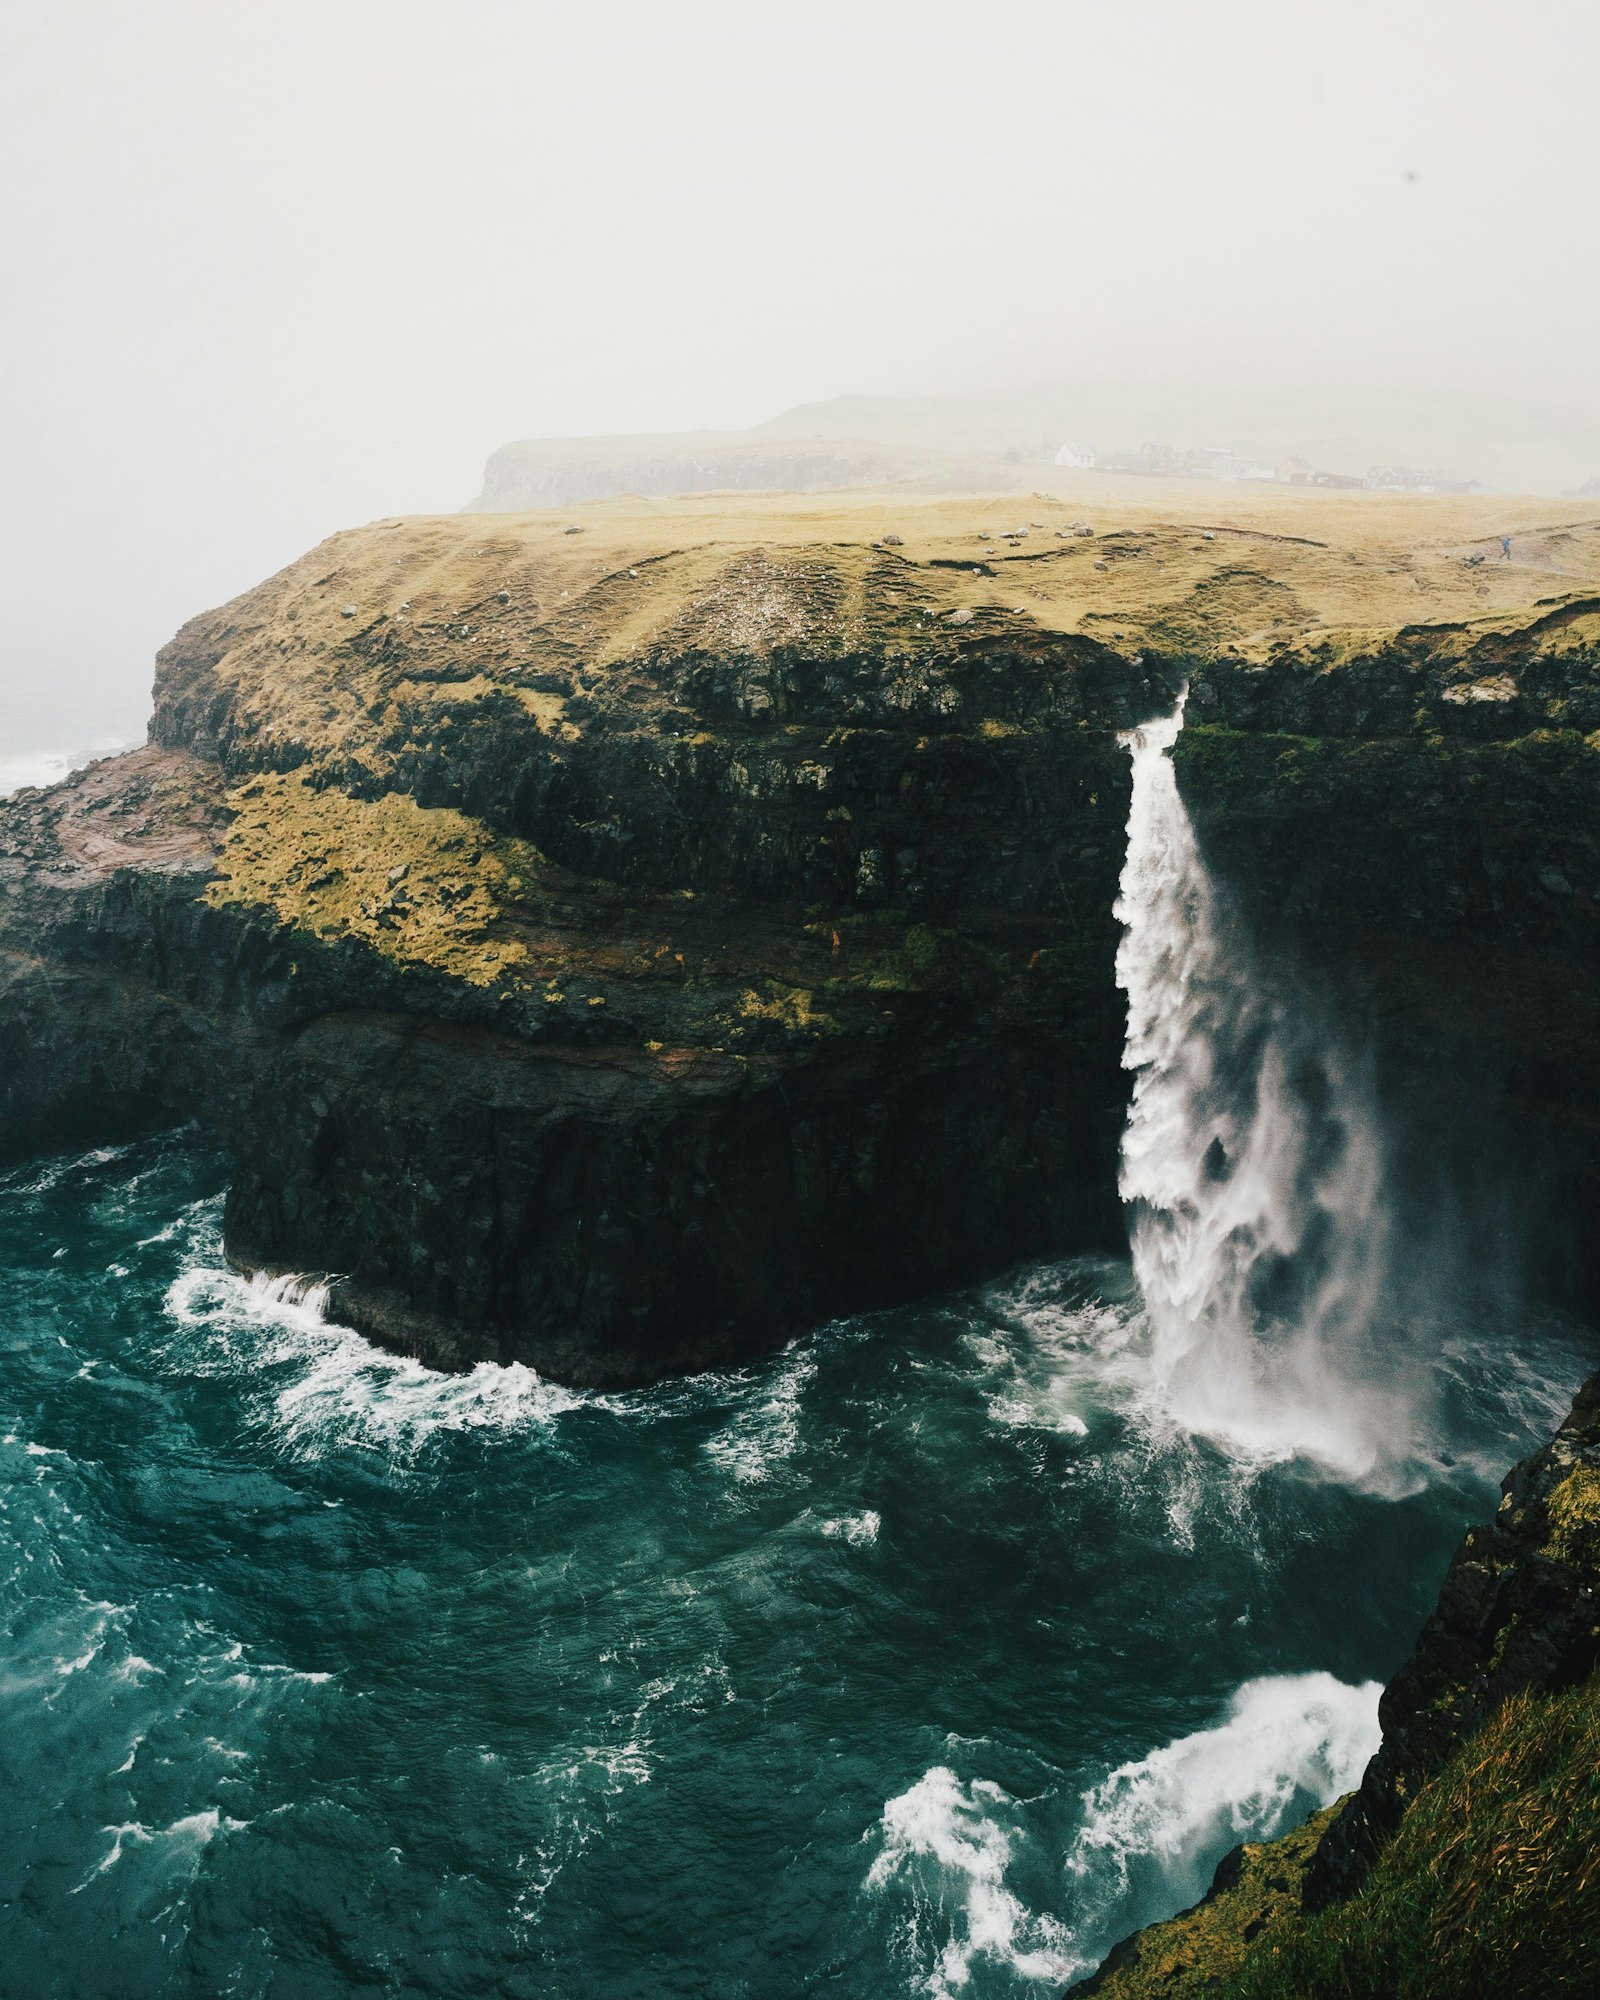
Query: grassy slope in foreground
(1491, 1888)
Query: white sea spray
(322, 1386)
(947, 1845)
(1286, 1744)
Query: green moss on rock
(1490, 1888)
(1574, 1511)
(425, 886)
(1257, 1890)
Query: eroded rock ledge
(1518, 1620)
(614, 950)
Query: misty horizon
(275, 278)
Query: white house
(1079, 456)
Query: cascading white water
(1253, 1169)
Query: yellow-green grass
(1194, 1952)
(438, 619)
(1490, 1890)
(321, 861)
(430, 887)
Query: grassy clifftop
(409, 628)
(822, 699)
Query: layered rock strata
(614, 950)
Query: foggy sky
(272, 270)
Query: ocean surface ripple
(929, 1656)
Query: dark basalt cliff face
(616, 951)
(1417, 828)
(1519, 1611)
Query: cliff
(1410, 817)
(614, 942)
(562, 472)
(1468, 1863)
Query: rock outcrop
(1518, 1618)
(616, 949)
(1519, 1611)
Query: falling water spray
(1253, 1172)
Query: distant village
(1165, 461)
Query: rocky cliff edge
(613, 941)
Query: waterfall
(1253, 1172)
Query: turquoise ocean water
(925, 1657)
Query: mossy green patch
(1574, 1510)
(424, 886)
(1491, 1887)
(1198, 1949)
(948, 960)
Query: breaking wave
(326, 1386)
(1148, 1839)
(1288, 1744)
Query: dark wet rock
(617, 955)
(1519, 1609)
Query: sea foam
(950, 1845)
(323, 1386)
(1149, 1837)
(1289, 1743)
